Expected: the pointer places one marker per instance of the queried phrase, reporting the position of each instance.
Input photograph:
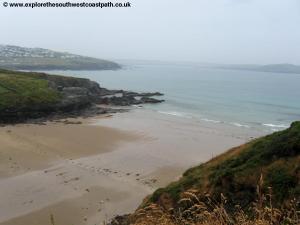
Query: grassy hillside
(29, 95)
(24, 90)
(20, 58)
(46, 63)
(233, 186)
(236, 172)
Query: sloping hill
(274, 68)
(20, 58)
(32, 95)
(264, 170)
(25, 95)
(280, 68)
(18, 90)
(236, 172)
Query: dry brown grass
(193, 211)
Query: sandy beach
(86, 173)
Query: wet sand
(30, 147)
(87, 173)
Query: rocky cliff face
(75, 96)
(77, 92)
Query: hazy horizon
(216, 31)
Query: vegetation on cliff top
(254, 184)
(28, 95)
(21, 90)
(235, 173)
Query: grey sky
(220, 31)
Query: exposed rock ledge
(79, 97)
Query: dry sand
(87, 173)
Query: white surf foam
(275, 125)
(240, 125)
(209, 120)
(174, 113)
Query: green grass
(236, 172)
(20, 90)
(37, 63)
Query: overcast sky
(217, 31)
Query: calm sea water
(253, 100)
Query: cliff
(256, 183)
(27, 95)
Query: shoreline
(71, 175)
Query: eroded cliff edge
(26, 95)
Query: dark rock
(150, 100)
(128, 98)
(120, 101)
(79, 97)
(120, 220)
(150, 94)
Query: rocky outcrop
(145, 100)
(74, 98)
(77, 96)
(124, 98)
(78, 93)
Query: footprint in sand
(97, 170)
(61, 174)
(70, 180)
(27, 202)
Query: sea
(263, 101)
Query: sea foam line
(275, 125)
(209, 120)
(240, 125)
(174, 113)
